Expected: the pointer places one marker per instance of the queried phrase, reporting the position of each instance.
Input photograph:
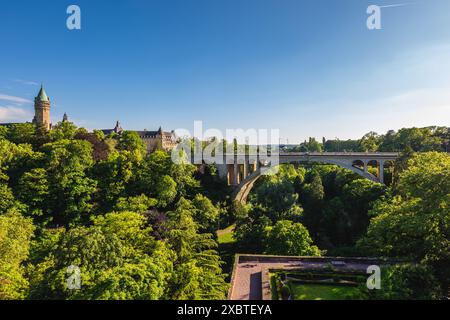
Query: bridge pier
(381, 171)
(245, 168)
(230, 174)
(222, 170)
(236, 173)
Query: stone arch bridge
(242, 170)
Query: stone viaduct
(242, 170)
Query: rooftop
(42, 95)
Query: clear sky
(306, 67)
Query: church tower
(42, 109)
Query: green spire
(42, 96)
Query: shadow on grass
(227, 252)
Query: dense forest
(136, 225)
(140, 227)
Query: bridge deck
(324, 154)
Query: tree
(251, 227)
(370, 142)
(337, 145)
(407, 282)
(7, 200)
(166, 191)
(416, 223)
(20, 133)
(158, 176)
(117, 257)
(4, 132)
(130, 141)
(63, 130)
(312, 197)
(15, 236)
(15, 159)
(99, 134)
(115, 175)
(278, 196)
(144, 280)
(197, 271)
(88, 249)
(389, 142)
(138, 204)
(443, 134)
(288, 238)
(358, 197)
(183, 175)
(33, 189)
(427, 178)
(205, 214)
(418, 139)
(70, 189)
(312, 145)
(101, 148)
(335, 224)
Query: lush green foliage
(416, 223)
(407, 282)
(139, 226)
(416, 139)
(291, 239)
(15, 236)
(135, 225)
(347, 215)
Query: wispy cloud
(19, 100)
(27, 82)
(396, 5)
(10, 113)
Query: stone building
(42, 109)
(154, 140)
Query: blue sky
(308, 68)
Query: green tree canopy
(416, 224)
(15, 236)
(288, 238)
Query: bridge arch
(359, 164)
(355, 162)
(242, 191)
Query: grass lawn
(227, 248)
(322, 292)
(226, 235)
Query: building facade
(154, 140)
